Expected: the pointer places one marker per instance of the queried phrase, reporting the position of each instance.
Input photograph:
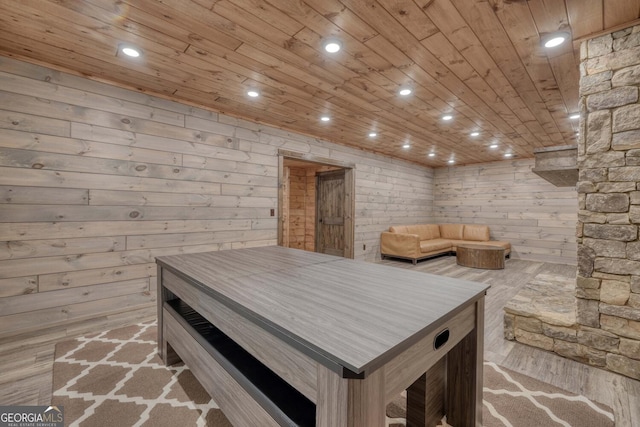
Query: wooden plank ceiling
(478, 60)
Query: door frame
(349, 196)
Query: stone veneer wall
(608, 281)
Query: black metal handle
(441, 339)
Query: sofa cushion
(435, 245)
(399, 229)
(476, 232)
(424, 231)
(452, 231)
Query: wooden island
(281, 336)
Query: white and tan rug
(115, 378)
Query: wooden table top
(336, 310)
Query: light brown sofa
(416, 242)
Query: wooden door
(330, 213)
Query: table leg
(162, 296)
(168, 354)
(160, 304)
(350, 402)
(425, 397)
(464, 376)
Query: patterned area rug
(115, 378)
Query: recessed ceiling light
(447, 117)
(575, 116)
(493, 146)
(508, 155)
(432, 154)
(451, 161)
(555, 39)
(130, 51)
(474, 133)
(404, 91)
(332, 45)
(372, 134)
(325, 118)
(253, 93)
(406, 145)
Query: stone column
(608, 282)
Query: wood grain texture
(297, 186)
(296, 368)
(537, 218)
(463, 404)
(348, 402)
(238, 295)
(479, 60)
(299, 200)
(331, 213)
(366, 402)
(408, 366)
(237, 404)
(96, 181)
(298, 218)
(332, 408)
(480, 256)
(69, 314)
(286, 291)
(28, 359)
(425, 397)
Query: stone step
(549, 298)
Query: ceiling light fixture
(332, 45)
(406, 145)
(555, 39)
(508, 154)
(474, 133)
(325, 118)
(432, 154)
(130, 51)
(451, 161)
(404, 91)
(493, 146)
(372, 134)
(575, 116)
(253, 93)
(447, 117)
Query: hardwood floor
(27, 362)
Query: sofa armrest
(400, 244)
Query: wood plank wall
(310, 208)
(286, 202)
(538, 218)
(297, 207)
(96, 181)
(300, 212)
